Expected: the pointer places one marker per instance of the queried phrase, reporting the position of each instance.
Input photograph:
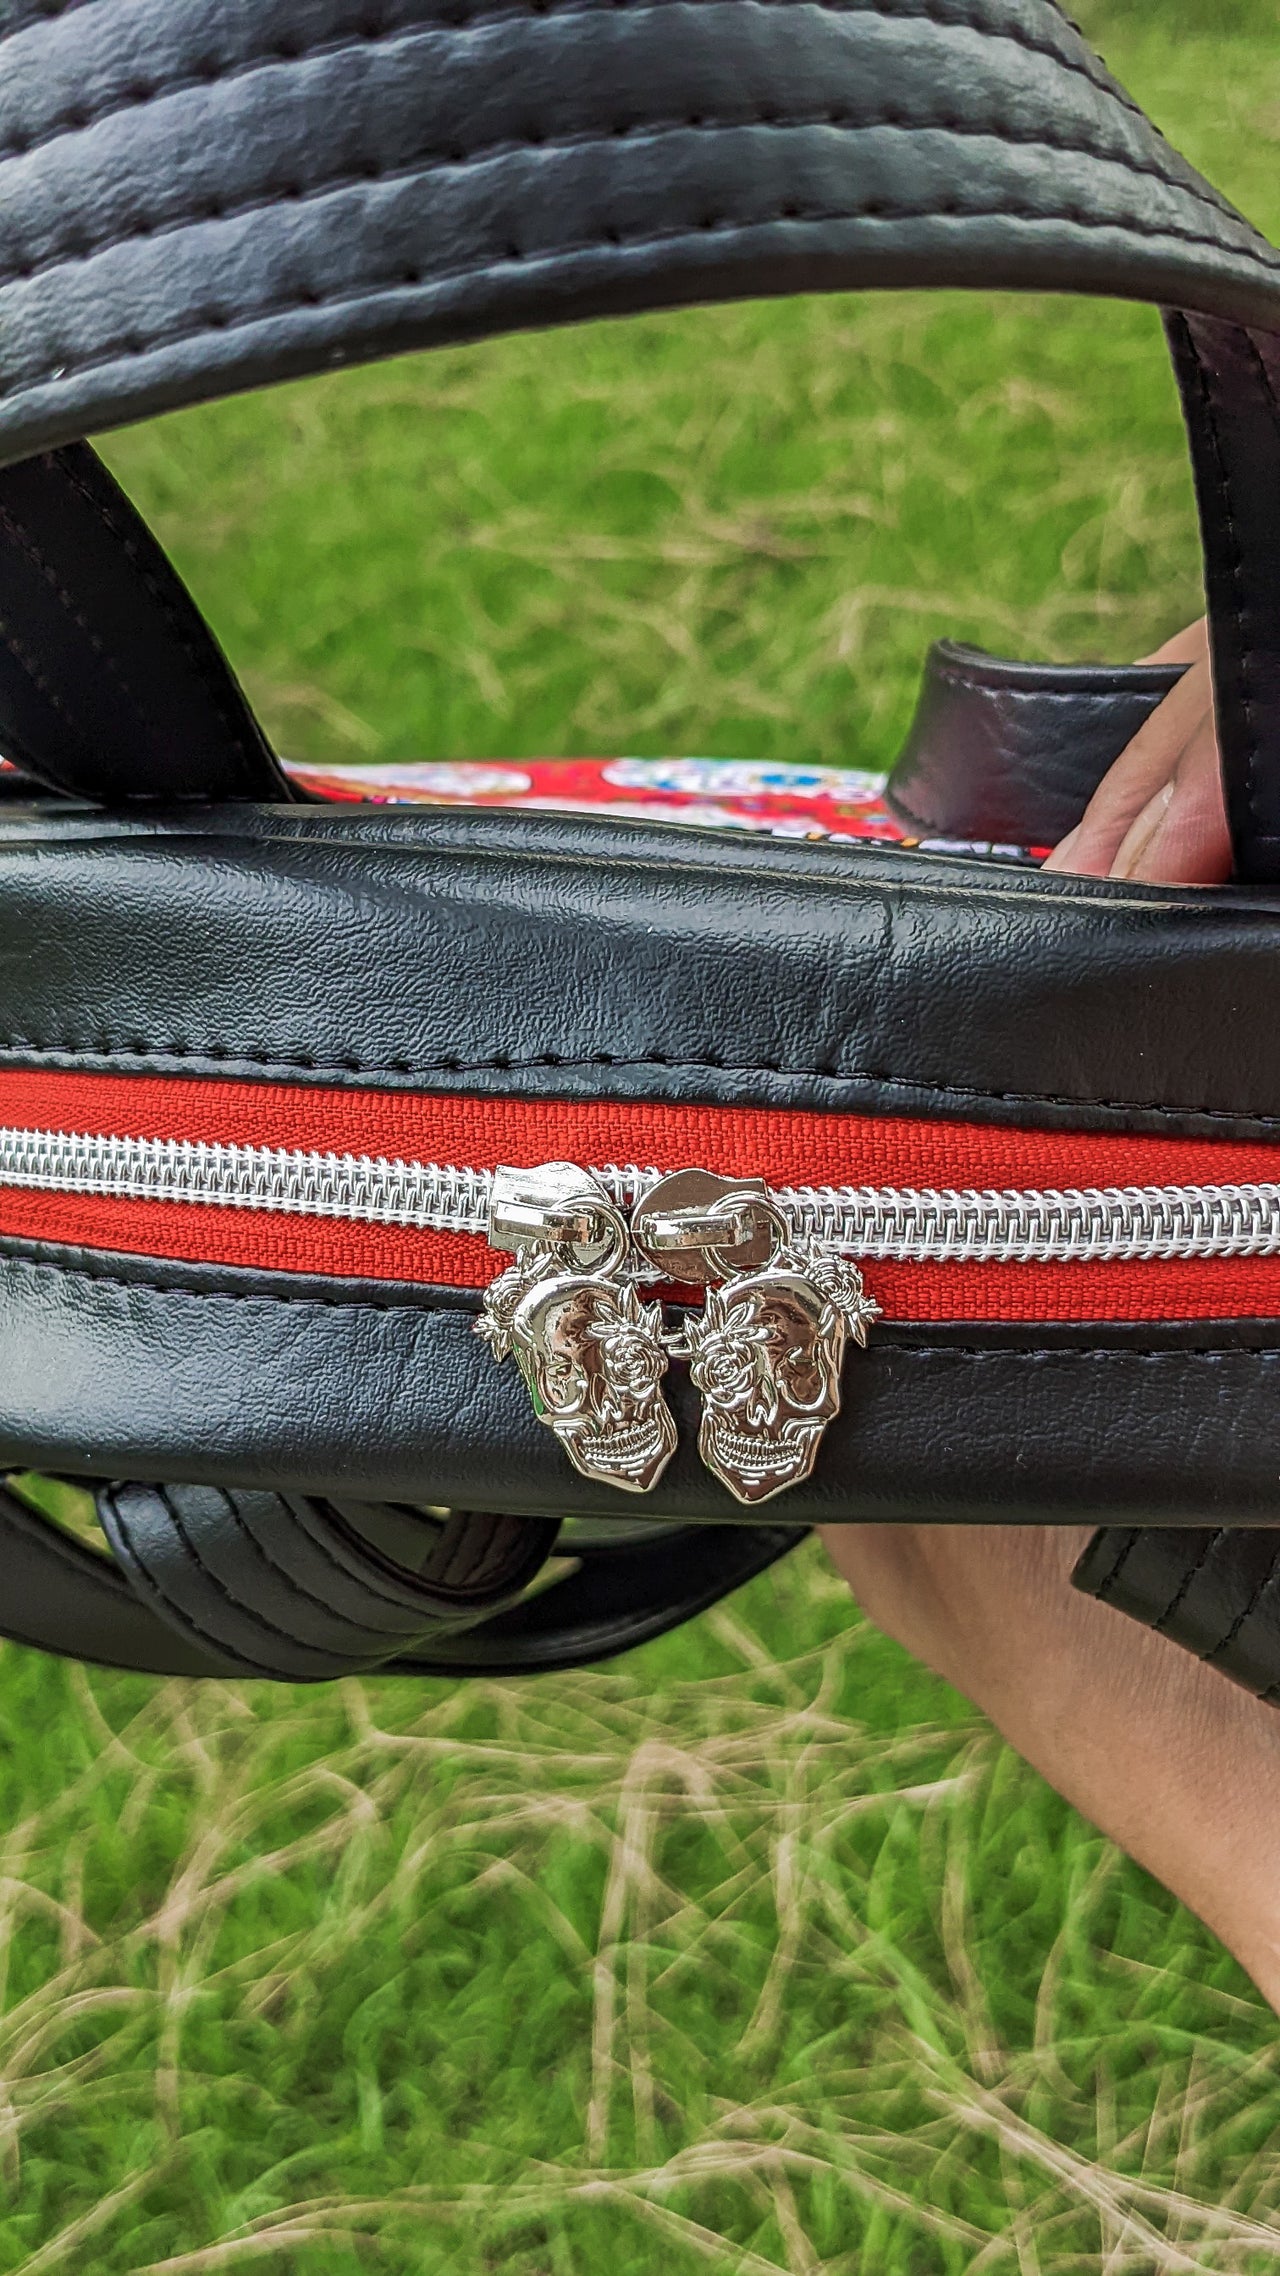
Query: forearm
(1165, 1755)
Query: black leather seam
(256, 1619)
(83, 118)
(22, 1047)
(311, 303)
(1196, 1567)
(336, 1612)
(1224, 1644)
(426, 164)
(154, 588)
(12, 1266)
(1242, 659)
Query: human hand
(1168, 1758)
(1157, 814)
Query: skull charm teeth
(592, 1354)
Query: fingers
(1158, 814)
(1181, 836)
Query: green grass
(755, 1953)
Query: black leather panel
(200, 195)
(551, 955)
(1213, 1589)
(257, 1390)
(1012, 752)
(111, 685)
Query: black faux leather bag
(1013, 1134)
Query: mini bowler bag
(673, 1189)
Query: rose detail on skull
(766, 1356)
(593, 1358)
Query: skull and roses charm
(765, 1353)
(768, 1349)
(592, 1354)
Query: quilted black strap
(146, 1612)
(279, 1586)
(1214, 1589)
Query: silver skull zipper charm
(591, 1352)
(768, 1349)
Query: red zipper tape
(786, 1147)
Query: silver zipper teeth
(364, 1188)
(1108, 1224)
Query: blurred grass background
(755, 1952)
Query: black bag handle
(190, 1594)
(200, 197)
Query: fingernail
(1141, 835)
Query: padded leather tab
(1012, 753)
(112, 687)
(277, 1585)
(1213, 1589)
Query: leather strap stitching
(1216, 1651)
(21, 539)
(256, 1619)
(82, 120)
(427, 164)
(28, 666)
(299, 1587)
(311, 303)
(1237, 660)
(1109, 1580)
(201, 663)
(1180, 1593)
(138, 1570)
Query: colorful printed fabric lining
(832, 803)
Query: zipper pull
(768, 1349)
(591, 1352)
